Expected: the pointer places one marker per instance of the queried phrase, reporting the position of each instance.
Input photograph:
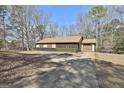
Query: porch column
(82, 48)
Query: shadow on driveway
(38, 71)
(109, 75)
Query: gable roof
(66, 39)
(88, 41)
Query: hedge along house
(67, 43)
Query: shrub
(119, 46)
(1, 43)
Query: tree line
(22, 26)
(106, 24)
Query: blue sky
(64, 14)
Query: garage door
(87, 48)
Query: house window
(37, 46)
(49, 45)
(67, 46)
(45, 45)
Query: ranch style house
(67, 43)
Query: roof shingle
(66, 39)
(88, 41)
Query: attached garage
(88, 45)
(87, 48)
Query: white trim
(93, 47)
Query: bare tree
(28, 22)
(42, 22)
(63, 31)
(97, 13)
(17, 22)
(85, 25)
(3, 14)
(53, 29)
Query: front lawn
(114, 58)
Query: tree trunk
(4, 28)
(112, 43)
(22, 40)
(41, 36)
(34, 40)
(27, 37)
(97, 26)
